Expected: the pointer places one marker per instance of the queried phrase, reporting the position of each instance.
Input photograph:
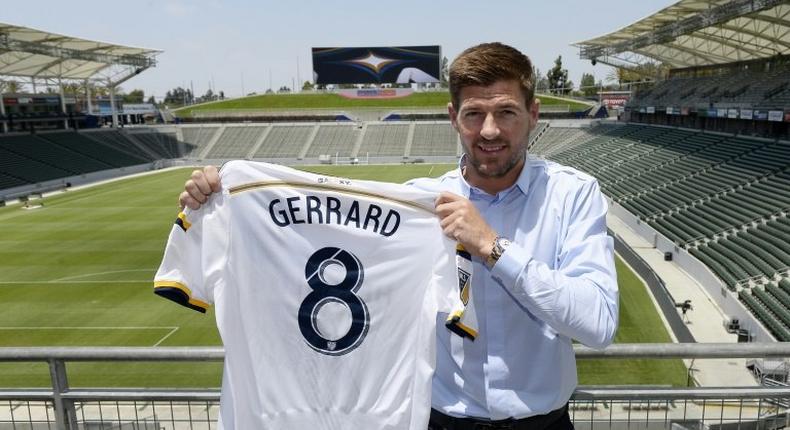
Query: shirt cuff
(510, 265)
(514, 263)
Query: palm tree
(10, 87)
(643, 72)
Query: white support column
(88, 97)
(113, 108)
(2, 113)
(63, 104)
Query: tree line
(555, 81)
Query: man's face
(494, 124)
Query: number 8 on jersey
(325, 292)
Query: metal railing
(62, 408)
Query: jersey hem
(455, 325)
(180, 294)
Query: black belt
(440, 421)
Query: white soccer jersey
(326, 293)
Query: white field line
(113, 281)
(166, 336)
(429, 172)
(170, 333)
(171, 328)
(88, 275)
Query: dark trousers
(555, 420)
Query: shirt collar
(522, 182)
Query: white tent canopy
(41, 55)
(694, 33)
(28, 52)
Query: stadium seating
(236, 142)
(45, 151)
(742, 88)
(165, 145)
(7, 181)
(284, 141)
(89, 148)
(384, 140)
(35, 158)
(377, 140)
(763, 312)
(199, 138)
(333, 140)
(119, 141)
(723, 198)
(434, 139)
(540, 128)
(20, 170)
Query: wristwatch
(500, 245)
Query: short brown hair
(487, 63)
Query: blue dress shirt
(554, 284)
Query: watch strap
(500, 245)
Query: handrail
(581, 393)
(730, 393)
(63, 398)
(620, 350)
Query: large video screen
(392, 64)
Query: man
(543, 266)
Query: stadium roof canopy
(698, 33)
(28, 52)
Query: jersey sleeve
(190, 264)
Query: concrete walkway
(705, 320)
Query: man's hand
(202, 184)
(461, 221)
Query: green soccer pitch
(78, 272)
(275, 102)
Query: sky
(241, 46)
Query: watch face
(499, 247)
(502, 244)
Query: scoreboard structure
(377, 65)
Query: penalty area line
(175, 329)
